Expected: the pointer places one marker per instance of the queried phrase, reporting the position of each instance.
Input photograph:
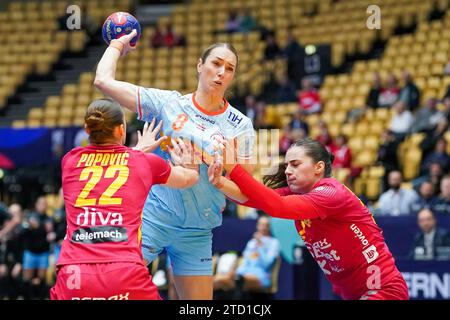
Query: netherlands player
(338, 230)
(180, 221)
(105, 185)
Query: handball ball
(119, 24)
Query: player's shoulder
(331, 182)
(236, 118)
(72, 153)
(150, 90)
(328, 187)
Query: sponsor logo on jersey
(199, 116)
(234, 119)
(119, 296)
(100, 234)
(370, 251)
(371, 254)
(93, 218)
(99, 227)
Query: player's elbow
(191, 178)
(101, 82)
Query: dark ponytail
(278, 179)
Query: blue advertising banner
(34, 147)
(426, 279)
(26, 147)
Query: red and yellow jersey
(338, 230)
(105, 188)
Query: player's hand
(147, 140)
(125, 40)
(215, 170)
(182, 154)
(229, 154)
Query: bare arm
(182, 177)
(122, 92)
(231, 190)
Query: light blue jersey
(200, 206)
(181, 221)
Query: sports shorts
(104, 281)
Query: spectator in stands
(247, 22)
(260, 116)
(224, 277)
(60, 226)
(446, 110)
(402, 120)
(286, 91)
(250, 107)
(269, 88)
(172, 39)
(396, 201)
(272, 50)
(293, 52)
(157, 40)
(429, 238)
(324, 136)
(11, 251)
(4, 214)
(308, 98)
(427, 117)
(389, 93)
(298, 134)
(428, 144)
(426, 200)
(447, 93)
(285, 139)
(442, 206)
(298, 122)
(233, 22)
(259, 256)
(36, 250)
(409, 94)
(433, 174)
(374, 93)
(387, 152)
(342, 153)
(439, 155)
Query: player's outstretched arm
(261, 197)
(181, 178)
(105, 78)
(228, 187)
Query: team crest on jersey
(307, 223)
(218, 135)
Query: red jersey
(342, 156)
(310, 101)
(338, 230)
(105, 188)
